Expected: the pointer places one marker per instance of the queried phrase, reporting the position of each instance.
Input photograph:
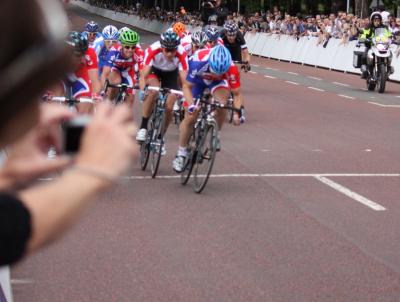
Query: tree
(361, 8)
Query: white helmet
(375, 15)
(122, 30)
(110, 32)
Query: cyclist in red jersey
(164, 62)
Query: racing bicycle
(152, 147)
(203, 143)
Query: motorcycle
(378, 59)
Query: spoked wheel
(144, 150)
(205, 157)
(192, 153)
(230, 112)
(157, 143)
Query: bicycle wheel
(230, 112)
(145, 149)
(187, 171)
(205, 156)
(157, 142)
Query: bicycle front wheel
(157, 143)
(145, 150)
(191, 157)
(205, 157)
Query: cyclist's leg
(147, 107)
(220, 91)
(114, 78)
(127, 77)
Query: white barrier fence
(335, 56)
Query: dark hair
(28, 65)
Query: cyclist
(120, 65)
(165, 61)
(84, 81)
(122, 30)
(199, 41)
(103, 46)
(234, 41)
(214, 37)
(185, 36)
(211, 69)
(92, 32)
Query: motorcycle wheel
(370, 84)
(382, 76)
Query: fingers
(51, 114)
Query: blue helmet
(110, 32)
(92, 27)
(220, 59)
(212, 34)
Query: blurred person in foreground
(36, 55)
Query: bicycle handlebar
(164, 90)
(71, 100)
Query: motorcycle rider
(366, 37)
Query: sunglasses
(169, 49)
(129, 47)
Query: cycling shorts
(168, 79)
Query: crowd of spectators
(342, 25)
(154, 13)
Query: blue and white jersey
(98, 36)
(101, 52)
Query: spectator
(31, 215)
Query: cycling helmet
(123, 29)
(92, 27)
(231, 28)
(219, 60)
(170, 40)
(212, 34)
(110, 32)
(199, 38)
(213, 18)
(78, 42)
(129, 37)
(179, 28)
(375, 15)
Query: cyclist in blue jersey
(103, 46)
(92, 32)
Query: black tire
(205, 156)
(155, 147)
(382, 76)
(370, 84)
(144, 150)
(230, 112)
(187, 171)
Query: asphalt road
(303, 205)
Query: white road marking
(21, 281)
(270, 77)
(290, 82)
(397, 96)
(316, 89)
(253, 72)
(353, 195)
(387, 106)
(316, 150)
(235, 175)
(367, 150)
(314, 78)
(271, 68)
(346, 96)
(341, 84)
(372, 97)
(255, 65)
(293, 73)
(265, 150)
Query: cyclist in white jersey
(164, 62)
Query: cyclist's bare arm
(246, 55)
(93, 76)
(144, 73)
(104, 75)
